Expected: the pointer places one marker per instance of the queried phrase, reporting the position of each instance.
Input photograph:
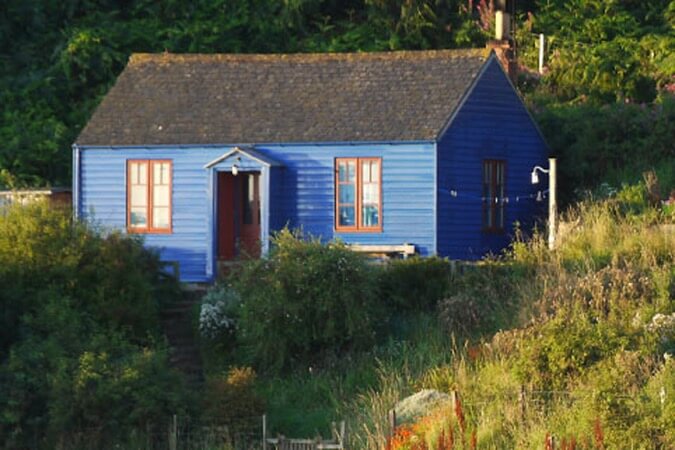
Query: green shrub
(567, 346)
(231, 399)
(109, 275)
(216, 324)
(415, 283)
(114, 387)
(80, 347)
(305, 301)
(614, 143)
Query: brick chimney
(504, 44)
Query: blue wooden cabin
(206, 155)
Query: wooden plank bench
(404, 249)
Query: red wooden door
(226, 219)
(238, 215)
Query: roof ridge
(167, 57)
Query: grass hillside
(590, 360)
(573, 344)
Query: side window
(358, 194)
(149, 196)
(494, 176)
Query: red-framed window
(149, 196)
(358, 194)
(494, 178)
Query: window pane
(374, 171)
(157, 173)
(160, 217)
(133, 175)
(365, 172)
(142, 173)
(370, 216)
(370, 193)
(347, 216)
(139, 195)
(160, 173)
(139, 217)
(342, 171)
(347, 171)
(160, 196)
(351, 170)
(347, 193)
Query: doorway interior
(238, 230)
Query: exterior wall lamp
(235, 167)
(552, 206)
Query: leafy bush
(231, 399)
(613, 143)
(110, 276)
(415, 283)
(566, 346)
(305, 301)
(114, 387)
(80, 347)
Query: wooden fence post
(339, 433)
(392, 424)
(343, 435)
(173, 433)
(521, 401)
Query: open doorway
(238, 215)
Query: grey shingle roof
(338, 97)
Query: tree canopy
(59, 58)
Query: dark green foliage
(57, 59)
(602, 51)
(80, 348)
(304, 302)
(613, 143)
(415, 284)
(108, 275)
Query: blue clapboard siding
(307, 191)
(103, 200)
(278, 218)
(302, 195)
(492, 124)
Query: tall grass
(583, 352)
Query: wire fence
(185, 433)
(177, 432)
